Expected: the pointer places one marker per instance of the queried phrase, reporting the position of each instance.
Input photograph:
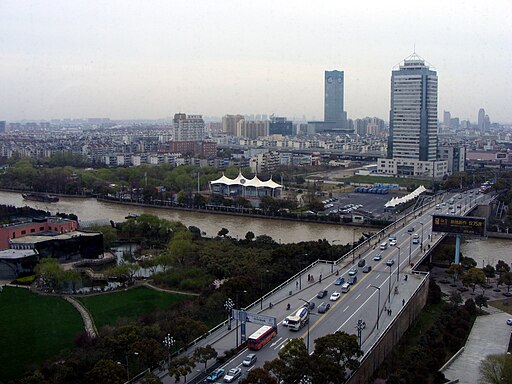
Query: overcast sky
(151, 59)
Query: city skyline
(129, 60)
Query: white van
(345, 288)
(383, 245)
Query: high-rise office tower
(413, 115)
(481, 119)
(333, 99)
(2, 126)
(188, 127)
(447, 117)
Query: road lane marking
(346, 308)
(281, 344)
(377, 277)
(275, 342)
(358, 296)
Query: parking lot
(368, 204)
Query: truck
(299, 319)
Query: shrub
(27, 280)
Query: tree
(150, 378)
(124, 272)
(502, 267)
(181, 247)
(473, 277)
(496, 369)
(249, 236)
(223, 232)
(481, 300)
(259, 376)
(336, 354)
(295, 361)
(456, 298)
(106, 371)
(455, 270)
(203, 354)
(150, 352)
(506, 278)
(181, 366)
(468, 262)
(489, 271)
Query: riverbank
(298, 218)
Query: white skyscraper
(412, 143)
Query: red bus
(261, 337)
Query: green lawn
(402, 181)
(504, 304)
(32, 329)
(132, 303)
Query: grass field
(32, 329)
(108, 308)
(504, 304)
(402, 181)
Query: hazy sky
(151, 59)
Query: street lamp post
(238, 307)
(261, 288)
(421, 234)
(378, 305)
(308, 306)
(169, 343)
(360, 326)
(229, 305)
(398, 268)
(389, 290)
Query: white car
(509, 321)
(392, 242)
(335, 296)
(232, 375)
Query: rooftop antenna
(414, 48)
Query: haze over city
(129, 59)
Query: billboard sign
(459, 225)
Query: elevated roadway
(376, 298)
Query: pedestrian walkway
(89, 326)
(490, 335)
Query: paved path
(490, 335)
(89, 326)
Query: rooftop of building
(52, 220)
(37, 238)
(13, 254)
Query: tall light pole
(237, 307)
(378, 305)
(398, 268)
(229, 305)
(421, 234)
(169, 343)
(307, 302)
(389, 291)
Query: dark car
(361, 263)
(324, 307)
(390, 262)
(352, 280)
(410, 229)
(367, 269)
(322, 294)
(310, 305)
(339, 281)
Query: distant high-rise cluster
(2, 126)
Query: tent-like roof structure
(242, 181)
(400, 200)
